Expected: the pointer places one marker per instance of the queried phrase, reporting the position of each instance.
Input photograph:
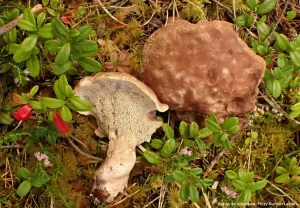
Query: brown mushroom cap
(204, 68)
(125, 111)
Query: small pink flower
(228, 192)
(26, 71)
(42, 157)
(186, 151)
(16, 81)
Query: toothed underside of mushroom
(205, 68)
(125, 111)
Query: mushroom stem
(112, 176)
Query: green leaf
(168, 131)
(223, 137)
(295, 171)
(59, 29)
(66, 114)
(293, 163)
(282, 60)
(34, 90)
(179, 175)
(36, 105)
(168, 148)
(39, 179)
(156, 143)
(196, 171)
(28, 43)
(12, 48)
(85, 48)
(194, 130)
(205, 132)
(239, 185)
(231, 175)
(28, 16)
(152, 158)
(281, 170)
(211, 125)
(53, 45)
(226, 144)
(201, 145)
(24, 173)
(284, 179)
(25, 25)
(295, 114)
(45, 32)
(73, 33)
(58, 69)
(245, 177)
(69, 91)
(183, 129)
(276, 88)
(295, 56)
(233, 129)
(41, 18)
(33, 65)
(266, 6)
(291, 15)
(283, 41)
(213, 118)
(24, 188)
(45, 2)
(63, 55)
(296, 82)
(84, 33)
(263, 29)
(5, 118)
(194, 194)
(230, 122)
(185, 191)
(252, 4)
(217, 139)
(169, 179)
(80, 103)
(260, 184)
(90, 65)
(57, 91)
(241, 20)
(52, 102)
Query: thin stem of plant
(280, 18)
(83, 153)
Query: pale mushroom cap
(204, 68)
(122, 105)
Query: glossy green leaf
(260, 184)
(231, 175)
(60, 69)
(217, 139)
(152, 158)
(45, 32)
(252, 4)
(226, 144)
(59, 29)
(57, 91)
(283, 41)
(266, 6)
(156, 143)
(168, 131)
(194, 194)
(90, 65)
(230, 122)
(295, 56)
(85, 48)
(179, 175)
(295, 114)
(28, 43)
(39, 179)
(169, 179)
(185, 191)
(211, 125)
(196, 171)
(36, 105)
(193, 130)
(282, 60)
(84, 33)
(66, 114)
(73, 33)
(45, 2)
(5, 118)
(276, 88)
(63, 55)
(68, 91)
(41, 18)
(223, 137)
(245, 177)
(183, 129)
(28, 16)
(263, 29)
(53, 45)
(295, 171)
(168, 148)
(33, 65)
(281, 170)
(284, 179)
(293, 163)
(12, 48)
(239, 185)
(290, 15)
(80, 103)
(34, 90)
(23, 173)
(233, 129)
(205, 132)
(24, 188)
(52, 102)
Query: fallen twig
(221, 153)
(11, 25)
(83, 153)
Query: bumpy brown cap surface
(205, 68)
